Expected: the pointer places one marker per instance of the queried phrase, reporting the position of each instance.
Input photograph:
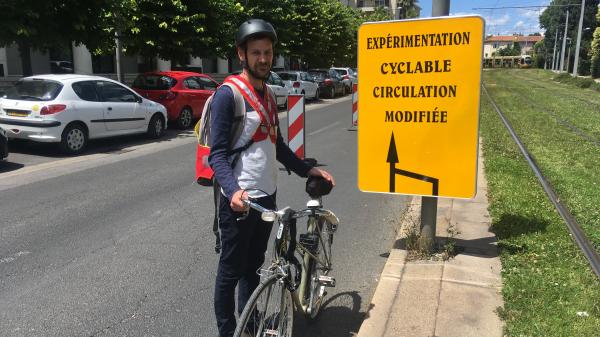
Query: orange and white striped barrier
(354, 104)
(296, 129)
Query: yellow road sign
(419, 85)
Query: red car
(183, 93)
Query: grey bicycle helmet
(254, 28)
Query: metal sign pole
(429, 204)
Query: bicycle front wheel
(269, 311)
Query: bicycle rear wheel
(269, 311)
(319, 267)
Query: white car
(281, 92)
(71, 109)
(300, 83)
(348, 78)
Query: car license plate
(17, 113)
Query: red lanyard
(268, 128)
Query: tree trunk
(25, 51)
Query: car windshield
(341, 71)
(34, 90)
(287, 76)
(318, 75)
(154, 82)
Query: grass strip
(569, 161)
(548, 287)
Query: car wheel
(303, 94)
(156, 127)
(73, 139)
(317, 94)
(184, 121)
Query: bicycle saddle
(317, 187)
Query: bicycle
(287, 281)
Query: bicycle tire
(316, 293)
(267, 323)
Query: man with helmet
(253, 171)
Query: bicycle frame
(280, 265)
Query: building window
(495, 46)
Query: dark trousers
(243, 246)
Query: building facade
(79, 60)
(494, 43)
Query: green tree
(539, 54)
(41, 25)
(508, 51)
(516, 48)
(595, 51)
(553, 20)
(408, 9)
(171, 29)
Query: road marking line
(13, 257)
(323, 128)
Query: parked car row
(71, 109)
(320, 82)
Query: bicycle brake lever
(246, 212)
(244, 215)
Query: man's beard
(256, 75)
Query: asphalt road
(118, 242)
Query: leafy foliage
(513, 50)
(553, 20)
(321, 33)
(539, 54)
(595, 51)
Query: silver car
(348, 78)
(279, 89)
(300, 83)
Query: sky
(499, 21)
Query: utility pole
(554, 51)
(569, 54)
(564, 43)
(578, 38)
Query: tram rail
(577, 233)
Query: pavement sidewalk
(457, 297)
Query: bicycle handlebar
(272, 215)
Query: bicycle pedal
(327, 281)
